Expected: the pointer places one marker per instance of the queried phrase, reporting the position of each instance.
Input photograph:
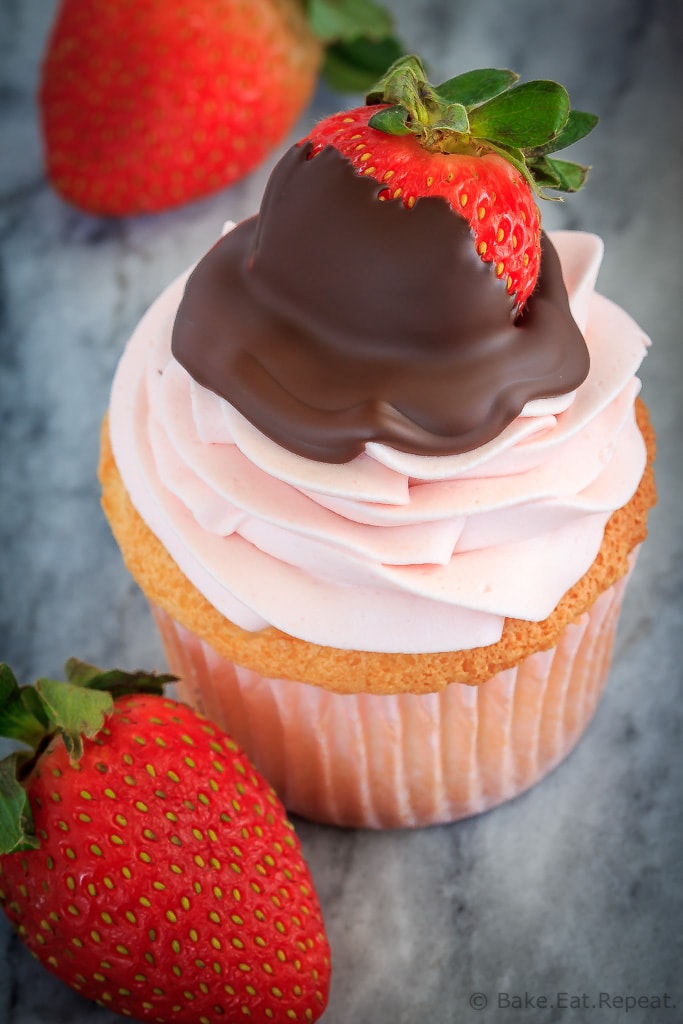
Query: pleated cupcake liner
(405, 760)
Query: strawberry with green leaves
(481, 141)
(146, 863)
(150, 104)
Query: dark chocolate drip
(332, 319)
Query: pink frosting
(392, 551)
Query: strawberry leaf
(335, 20)
(8, 684)
(81, 673)
(16, 821)
(526, 116)
(451, 118)
(578, 125)
(119, 683)
(405, 82)
(75, 711)
(474, 87)
(22, 715)
(33, 706)
(391, 120)
(570, 177)
(543, 173)
(353, 66)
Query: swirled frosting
(391, 551)
(332, 320)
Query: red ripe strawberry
(153, 869)
(149, 104)
(479, 141)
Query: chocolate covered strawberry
(146, 863)
(149, 104)
(481, 141)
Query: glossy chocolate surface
(333, 319)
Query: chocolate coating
(332, 319)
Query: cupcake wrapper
(405, 760)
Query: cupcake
(379, 464)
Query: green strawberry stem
(35, 714)
(485, 111)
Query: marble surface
(576, 887)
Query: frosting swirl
(392, 551)
(332, 320)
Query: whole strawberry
(480, 141)
(150, 104)
(147, 864)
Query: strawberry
(149, 104)
(480, 141)
(146, 863)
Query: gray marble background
(576, 887)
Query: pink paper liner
(406, 760)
